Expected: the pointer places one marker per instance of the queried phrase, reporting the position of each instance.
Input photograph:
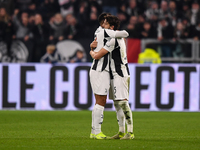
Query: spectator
(81, 19)
(8, 5)
(164, 10)
(94, 9)
(58, 26)
(152, 12)
(186, 24)
(73, 28)
(83, 13)
(66, 7)
(140, 23)
(141, 19)
(7, 30)
(132, 9)
(123, 19)
(4, 17)
(148, 31)
(122, 6)
(132, 27)
(165, 32)
(92, 25)
(51, 55)
(180, 32)
(79, 57)
(174, 15)
(187, 27)
(181, 48)
(186, 10)
(195, 13)
(196, 32)
(41, 37)
(23, 31)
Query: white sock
(120, 117)
(128, 115)
(98, 118)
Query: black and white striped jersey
(104, 35)
(118, 61)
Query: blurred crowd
(39, 23)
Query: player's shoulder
(109, 30)
(99, 29)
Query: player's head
(111, 22)
(101, 18)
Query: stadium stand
(38, 23)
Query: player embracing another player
(112, 51)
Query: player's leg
(98, 112)
(98, 116)
(121, 96)
(120, 117)
(120, 120)
(129, 119)
(119, 114)
(100, 85)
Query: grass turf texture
(68, 130)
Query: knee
(101, 100)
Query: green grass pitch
(69, 130)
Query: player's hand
(93, 45)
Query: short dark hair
(102, 16)
(113, 21)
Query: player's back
(118, 61)
(122, 45)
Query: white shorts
(119, 88)
(100, 82)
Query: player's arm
(93, 45)
(117, 34)
(99, 54)
(109, 46)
